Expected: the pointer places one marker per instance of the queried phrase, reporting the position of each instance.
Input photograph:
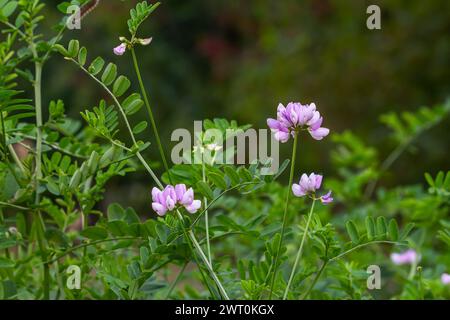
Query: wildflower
(327, 198)
(408, 257)
(144, 42)
(445, 278)
(120, 49)
(186, 198)
(213, 147)
(308, 186)
(167, 199)
(163, 201)
(294, 117)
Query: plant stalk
(283, 226)
(300, 251)
(150, 113)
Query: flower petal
(297, 190)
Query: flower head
(308, 186)
(296, 116)
(167, 199)
(408, 257)
(120, 49)
(445, 278)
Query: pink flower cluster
(297, 116)
(308, 186)
(168, 199)
(408, 257)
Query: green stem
(6, 204)
(300, 251)
(174, 283)
(283, 226)
(38, 171)
(2, 123)
(150, 113)
(205, 200)
(316, 278)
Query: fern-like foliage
(408, 125)
(103, 118)
(139, 15)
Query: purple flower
(445, 278)
(167, 199)
(327, 198)
(163, 201)
(308, 186)
(120, 49)
(186, 198)
(297, 116)
(408, 257)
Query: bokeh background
(239, 59)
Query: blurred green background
(239, 59)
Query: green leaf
(234, 177)
(121, 85)
(381, 226)
(6, 263)
(217, 180)
(118, 228)
(96, 66)
(110, 73)
(245, 174)
(95, 233)
(352, 231)
(131, 216)
(76, 179)
(370, 227)
(9, 8)
(82, 54)
(393, 230)
(406, 230)
(61, 50)
(140, 127)
(73, 48)
(204, 189)
(132, 104)
(115, 212)
(429, 179)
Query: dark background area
(239, 59)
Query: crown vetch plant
(244, 232)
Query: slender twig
(205, 200)
(92, 243)
(150, 113)
(273, 274)
(363, 245)
(300, 251)
(219, 196)
(316, 278)
(6, 204)
(174, 283)
(387, 163)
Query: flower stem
(174, 283)
(283, 226)
(38, 172)
(318, 274)
(150, 113)
(300, 251)
(205, 200)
